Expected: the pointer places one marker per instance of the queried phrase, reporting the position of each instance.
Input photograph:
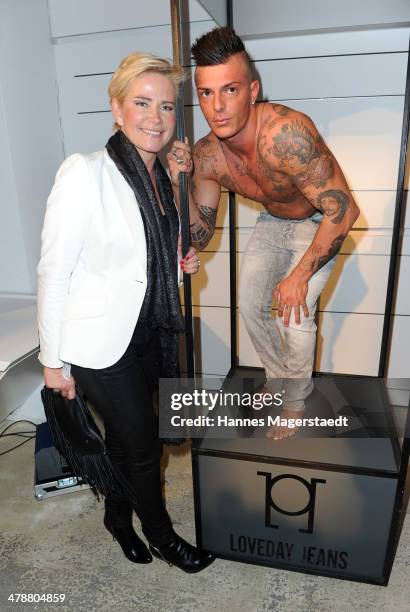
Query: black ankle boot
(132, 546)
(183, 555)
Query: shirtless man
(274, 155)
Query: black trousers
(123, 395)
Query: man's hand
(54, 379)
(290, 294)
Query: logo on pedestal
(270, 504)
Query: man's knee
(307, 324)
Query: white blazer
(92, 274)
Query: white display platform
(20, 370)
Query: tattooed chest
(266, 189)
(276, 187)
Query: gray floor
(59, 546)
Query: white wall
(270, 17)
(13, 278)
(350, 82)
(31, 140)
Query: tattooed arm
(295, 147)
(204, 190)
(204, 195)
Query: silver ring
(180, 160)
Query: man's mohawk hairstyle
(217, 46)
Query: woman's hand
(190, 263)
(54, 379)
(179, 160)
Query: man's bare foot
(285, 430)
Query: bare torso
(252, 177)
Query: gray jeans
(273, 250)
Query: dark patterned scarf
(161, 308)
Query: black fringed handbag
(79, 440)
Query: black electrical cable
(21, 434)
(15, 423)
(17, 446)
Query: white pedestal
(20, 370)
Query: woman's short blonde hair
(136, 64)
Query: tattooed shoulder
(280, 109)
(293, 140)
(293, 144)
(205, 155)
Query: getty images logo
(270, 504)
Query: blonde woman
(108, 301)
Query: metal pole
(183, 188)
(398, 224)
(232, 246)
